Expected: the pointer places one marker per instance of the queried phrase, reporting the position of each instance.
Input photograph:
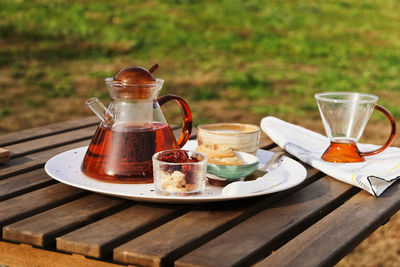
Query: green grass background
(258, 57)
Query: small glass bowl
(179, 172)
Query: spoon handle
(269, 165)
(248, 187)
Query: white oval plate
(66, 168)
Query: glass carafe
(133, 128)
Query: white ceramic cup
(238, 136)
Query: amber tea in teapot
(133, 128)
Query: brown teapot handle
(187, 116)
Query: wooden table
(52, 224)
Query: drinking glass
(345, 115)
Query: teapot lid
(134, 83)
(135, 75)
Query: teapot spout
(100, 110)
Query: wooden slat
(51, 141)
(98, 239)
(41, 229)
(330, 239)
(23, 183)
(153, 248)
(50, 129)
(4, 155)
(22, 255)
(172, 240)
(34, 161)
(37, 201)
(259, 235)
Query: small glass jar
(179, 172)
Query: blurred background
(232, 61)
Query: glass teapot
(132, 128)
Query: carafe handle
(187, 116)
(391, 136)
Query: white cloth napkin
(374, 175)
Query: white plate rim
(65, 167)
